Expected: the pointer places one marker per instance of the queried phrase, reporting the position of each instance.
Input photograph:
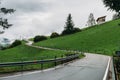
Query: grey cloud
(26, 6)
(35, 17)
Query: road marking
(107, 70)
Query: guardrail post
(55, 60)
(41, 64)
(61, 60)
(21, 66)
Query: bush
(66, 32)
(71, 53)
(39, 38)
(76, 30)
(3, 48)
(16, 43)
(54, 35)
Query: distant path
(92, 67)
(31, 42)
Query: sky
(42, 17)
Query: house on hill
(101, 20)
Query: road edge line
(107, 69)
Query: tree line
(68, 29)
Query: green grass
(27, 53)
(102, 39)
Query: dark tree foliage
(16, 43)
(4, 22)
(69, 26)
(113, 5)
(76, 30)
(54, 35)
(39, 38)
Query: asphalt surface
(92, 67)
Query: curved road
(92, 67)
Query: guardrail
(116, 61)
(55, 61)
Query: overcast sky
(42, 17)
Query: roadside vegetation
(26, 53)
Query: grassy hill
(102, 39)
(26, 53)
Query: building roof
(103, 17)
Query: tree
(16, 43)
(113, 5)
(91, 20)
(39, 38)
(69, 26)
(54, 35)
(3, 21)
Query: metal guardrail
(113, 69)
(69, 58)
(116, 61)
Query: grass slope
(26, 53)
(104, 39)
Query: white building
(101, 20)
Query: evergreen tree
(113, 5)
(69, 26)
(91, 20)
(3, 21)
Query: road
(92, 67)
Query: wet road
(92, 67)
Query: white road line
(107, 70)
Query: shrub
(3, 48)
(76, 30)
(39, 38)
(54, 35)
(70, 53)
(66, 32)
(16, 43)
